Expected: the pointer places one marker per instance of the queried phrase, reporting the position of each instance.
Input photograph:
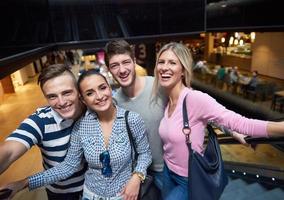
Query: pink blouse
(201, 109)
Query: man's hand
(13, 188)
(5, 193)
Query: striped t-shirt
(51, 133)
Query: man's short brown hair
(116, 47)
(53, 71)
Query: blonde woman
(173, 74)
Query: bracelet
(140, 175)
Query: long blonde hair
(185, 58)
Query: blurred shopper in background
(140, 71)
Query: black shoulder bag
(206, 176)
(147, 188)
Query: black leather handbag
(148, 190)
(206, 176)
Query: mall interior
(244, 38)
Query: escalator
(242, 189)
(254, 181)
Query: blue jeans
(158, 182)
(174, 186)
(158, 178)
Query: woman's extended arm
(275, 129)
(63, 170)
(208, 109)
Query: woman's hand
(15, 187)
(131, 189)
(240, 138)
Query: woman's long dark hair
(87, 73)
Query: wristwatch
(140, 175)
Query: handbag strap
(130, 136)
(186, 128)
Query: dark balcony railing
(271, 176)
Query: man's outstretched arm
(10, 151)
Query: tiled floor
(13, 109)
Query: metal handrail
(250, 140)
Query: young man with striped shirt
(49, 128)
